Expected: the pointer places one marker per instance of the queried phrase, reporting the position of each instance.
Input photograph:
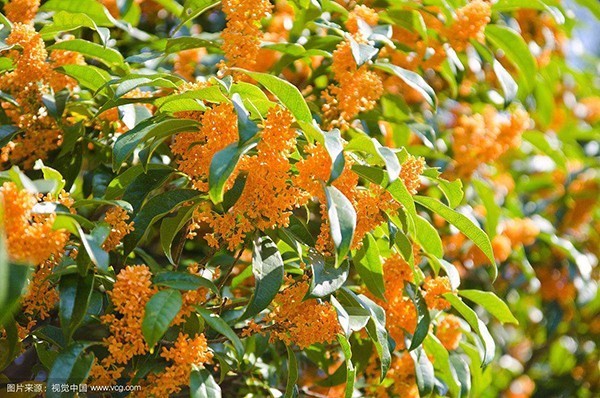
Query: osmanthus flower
(30, 237)
(242, 35)
(185, 354)
(117, 218)
(131, 292)
(302, 322)
(400, 380)
(358, 88)
(195, 150)
(401, 313)
(448, 331)
(268, 197)
(22, 11)
(31, 78)
(433, 290)
(483, 138)
(556, 285)
(469, 24)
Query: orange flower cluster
(30, 237)
(302, 322)
(592, 109)
(369, 203)
(184, 355)
(22, 11)
(41, 297)
(470, 23)
(485, 137)
(242, 36)
(434, 289)
(131, 292)
(400, 379)
(362, 13)
(117, 218)
(32, 77)
(411, 171)
(448, 332)
(196, 150)
(357, 91)
(268, 197)
(401, 313)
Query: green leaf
(183, 281)
(71, 366)
(465, 225)
(171, 227)
(13, 279)
(342, 221)
(161, 309)
(153, 210)
(428, 238)
(442, 362)
(292, 378)
(507, 83)
(423, 319)
(471, 317)
(326, 278)
(203, 385)
(126, 143)
(424, 372)
(350, 370)
(492, 303)
(10, 344)
(123, 181)
(492, 209)
(367, 262)
(286, 93)
(137, 190)
(75, 294)
(88, 76)
(108, 56)
(91, 8)
(400, 193)
(218, 324)
(51, 175)
(247, 129)
(516, 50)
(65, 22)
(222, 166)
(267, 267)
(412, 79)
(335, 149)
(194, 8)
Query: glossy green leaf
(153, 210)
(326, 277)
(219, 325)
(492, 303)
(342, 221)
(222, 166)
(292, 377)
(412, 79)
(463, 223)
(71, 366)
(267, 267)
(160, 311)
(368, 263)
(471, 317)
(286, 93)
(75, 294)
(203, 385)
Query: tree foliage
(299, 197)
